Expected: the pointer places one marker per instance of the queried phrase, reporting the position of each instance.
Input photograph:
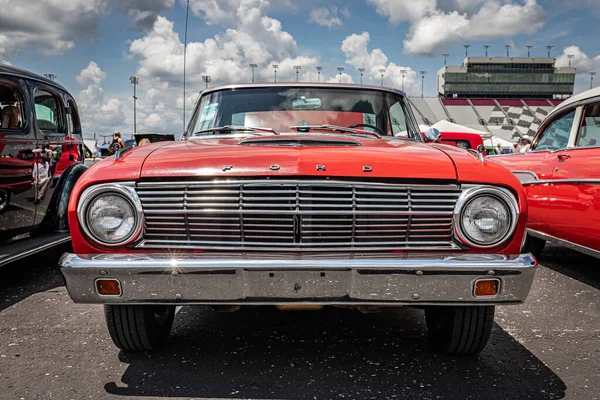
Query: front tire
(139, 328)
(459, 330)
(534, 246)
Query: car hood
(299, 155)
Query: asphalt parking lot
(547, 348)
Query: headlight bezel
(123, 190)
(468, 195)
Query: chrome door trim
(564, 182)
(573, 246)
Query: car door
(17, 143)
(537, 166)
(52, 129)
(575, 193)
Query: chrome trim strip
(564, 181)
(516, 172)
(275, 182)
(573, 246)
(125, 190)
(334, 278)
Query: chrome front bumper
(356, 279)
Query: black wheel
(139, 328)
(459, 330)
(4, 199)
(534, 246)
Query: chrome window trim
(472, 192)
(124, 189)
(573, 246)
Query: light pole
(362, 71)
(423, 83)
(466, 46)
(486, 47)
(382, 71)
(297, 68)
(570, 57)
(445, 55)
(253, 66)
(592, 74)
(549, 48)
(403, 72)
(529, 51)
(340, 70)
(206, 79)
(134, 81)
(319, 73)
(508, 47)
(275, 66)
(52, 77)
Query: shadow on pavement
(30, 275)
(334, 353)
(573, 264)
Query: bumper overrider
(253, 279)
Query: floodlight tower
(362, 71)
(549, 48)
(253, 66)
(592, 74)
(529, 47)
(340, 70)
(486, 47)
(403, 72)
(382, 71)
(52, 77)
(466, 46)
(319, 69)
(135, 81)
(297, 68)
(570, 57)
(508, 47)
(206, 79)
(423, 73)
(275, 66)
(445, 55)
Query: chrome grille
(297, 215)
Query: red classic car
(561, 176)
(299, 195)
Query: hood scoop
(298, 142)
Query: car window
(47, 111)
(556, 135)
(11, 107)
(399, 120)
(589, 132)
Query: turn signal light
(108, 287)
(487, 287)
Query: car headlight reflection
(486, 217)
(110, 214)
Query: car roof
(303, 84)
(21, 73)
(574, 100)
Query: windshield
(282, 107)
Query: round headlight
(486, 218)
(109, 215)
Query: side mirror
(432, 135)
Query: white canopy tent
(447, 126)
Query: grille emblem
(367, 168)
(274, 167)
(321, 168)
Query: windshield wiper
(234, 128)
(336, 129)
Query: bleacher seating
(508, 119)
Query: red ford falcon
(299, 195)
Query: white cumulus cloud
(435, 24)
(91, 75)
(329, 17)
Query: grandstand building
(507, 97)
(503, 77)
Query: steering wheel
(382, 133)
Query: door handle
(563, 157)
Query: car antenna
(187, 9)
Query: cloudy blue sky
(93, 46)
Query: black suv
(41, 157)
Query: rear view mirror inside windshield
(306, 104)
